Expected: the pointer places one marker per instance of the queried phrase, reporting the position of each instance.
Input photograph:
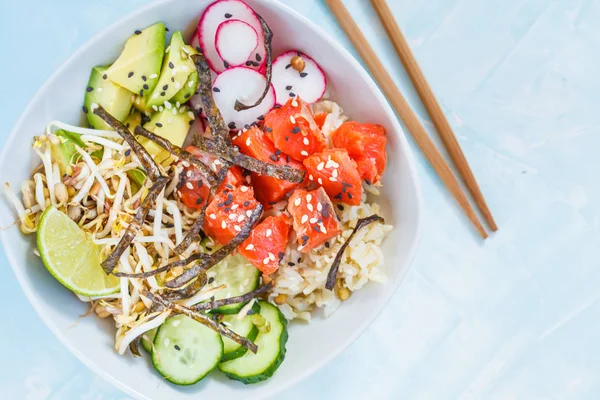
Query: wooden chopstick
(433, 108)
(399, 103)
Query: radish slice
(215, 15)
(246, 85)
(235, 42)
(310, 84)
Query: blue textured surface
(513, 318)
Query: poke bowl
(220, 188)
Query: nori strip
(220, 254)
(268, 35)
(135, 225)
(211, 305)
(282, 172)
(194, 232)
(145, 158)
(219, 129)
(178, 152)
(134, 346)
(332, 276)
(188, 291)
(203, 319)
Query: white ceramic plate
(310, 346)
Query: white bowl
(310, 346)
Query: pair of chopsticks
(411, 121)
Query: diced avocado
(137, 178)
(64, 153)
(113, 98)
(140, 104)
(177, 66)
(187, 90)
(138, 66)
(172, 126)
(134, 119)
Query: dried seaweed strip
(217, 124)
(282, 172)
(268, 36)
(134, 346)
(332, 276)
(177, 151)
(140, 151)
(194, 232)
(220, 254)
(211, 305)
(189, 291)
(135, 225)
(203, 319)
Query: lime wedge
(71, 256)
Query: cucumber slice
(185, 351)
(243, 327)
(148, 339)
(254, 368)
(240, 277)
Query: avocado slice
(138, 66)
(188, 89)
(137, 177)
(171, 124)
(177, 66)
(113, 98)
(65, 153)
(140, 104)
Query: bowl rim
(348, 57)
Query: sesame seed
(313, 220)
(310, 177)
(292, 94)
(189, 185)
(248, 142)
(104, 76)
(237, 228)
(89, 89)
(327, 245)
(288, 87)
(272, 256)
(303, 74)
(350, 195)
(216, 90)
(305, 141)
(168, 105)
(304, 153)
(99, 90)
(159, 124)
(292, 119)
(273, 157)
(250, 247)
(167, 49)
(153, 76)
(310, 207)
(291, 264)
(248, 213)
(129, 75)
(268, 233)
(232, 216)
(138, 32)
(266, 261)
(304, 219)
(223, 224)
(320, 166)
(235, 206)
(171, 65)
(333, 179)
(334, 173)
(244, 189)
(309, 197)
(241, 218)
(212, 216)
(297, 201)
(288, 66)
(322, 228)
(155, 108)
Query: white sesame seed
(241, 218)
(177, 104)
(189, 185)
(155, 108)
(294, 103)
(272, 256)
(305, 141)
(297, 201)
(304, 153)
(304, 219)
(153, 76)
(168, 105)
(191, 115)
(266, 261)
(309, 197)
(248, 142)
(268, 233)
(213, 216)
(184, 68)
(168, 49)
(250, 247)
(244, 189)
(320, 166)
(188, 174)
(333, 179)
(160, 108)
(249, 213)
(223, 224)
(322, 228)
(177, 85)
(237, 228)
(155, 95)
(185, 164)
(319, 206)
(174, 111)
(334, 173)
(310, 207)
(191, 84)
(99, 90)
(313, 220)
(310, 177)
(235, 206)
(329, 164)
(185, 50)
(292, 119)
(232, 216)
(173, 72)
(320, 181)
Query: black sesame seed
(292, 94)
(89, 89)
(246, 203)
(277, 106)
(228, 202)
(231, 125)
(198, 49)
(172, 79)
(277, 152)
(288, 87)
(171, 65)
(144, 78)
(261, 118)
(165, 87)
(255, 64)
(227, 209)
(272, 203)
(225, 64)
(325, 213)
(247, 126)
(258, 57)
(299, 260)
(368, 182)
(127, 152)
(146, 87)
(213, 297)
(159, 124)
(220, 205)
(288, 66)
(344, 189)
(211, 279)
(199, 183)
(296, 130)
(228, 186)
(162, 94)
(104, 76)
(303, 74)
(291, 264)
(142, 93)
(287, 138)
(273, 157)
(338, 196)
(228, 15)
(187, 95)
(129, 75)
(340, 207)
(84, 108)
(230, 197)
(327, 244)
(177, 348)
(138, 32)
(269, 130)
(299, 54)
(280, 254)
(216, 90)
(287, 158)
(350, 195)
(248, 63)
(316, 228)
(191, 122)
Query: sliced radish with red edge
(235, 42)
(219, 12)
(309, 85)
(246, 85)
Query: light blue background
(516, 317)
